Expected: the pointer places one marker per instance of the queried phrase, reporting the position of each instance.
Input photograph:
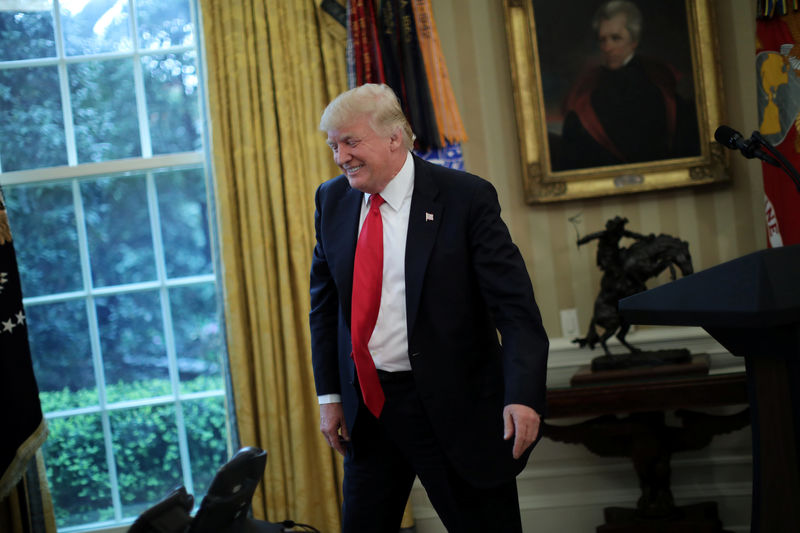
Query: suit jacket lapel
(345, 230)
(423, 224)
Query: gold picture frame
(545, 181)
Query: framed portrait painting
(615, 96)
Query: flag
(23, 426)
(778, 74)
(395, 42)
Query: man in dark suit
(450, 404)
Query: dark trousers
(385, 456)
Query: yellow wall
(719, 224)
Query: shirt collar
(398, 187)
(628, 59)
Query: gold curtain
(272, 67)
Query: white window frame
(150, 165)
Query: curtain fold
(272, 67)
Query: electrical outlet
(569, 323)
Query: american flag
(24, 427)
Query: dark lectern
(751, 305)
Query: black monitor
(226, 506)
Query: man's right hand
(331, 423)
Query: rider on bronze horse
(625, 273)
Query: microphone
(732, 139)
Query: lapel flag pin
(428, 217)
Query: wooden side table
(630, 422)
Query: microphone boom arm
(784, 165)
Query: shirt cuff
(329, 398)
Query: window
(103, 169)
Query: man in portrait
(628, 109)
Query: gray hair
(378, 102)
(633, 16)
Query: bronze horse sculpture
(625, 273)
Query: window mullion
(63, 81)
(176, 160)
(133, 404)
(169, 335)
(66, 107)
(138, 81)
(117, 289)
(141, 107)
(97, 353)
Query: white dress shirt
(389, 342)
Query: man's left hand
(521, 422)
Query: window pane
(164, 23)
(183, 207)
(171, 87)
(62, 355)
(205, 431)
(77, 471)
(198, 339)
(27, 34)
(95, 26)
(32, 127)
(104, 110)
(42, 219)
(132, 340)
(147, 455)
(118, 228)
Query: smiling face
(615, 41)
(368, 159)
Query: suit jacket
(465, 281)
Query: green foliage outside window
(145, 448)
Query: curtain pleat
(272, 67)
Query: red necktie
(367, 281)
